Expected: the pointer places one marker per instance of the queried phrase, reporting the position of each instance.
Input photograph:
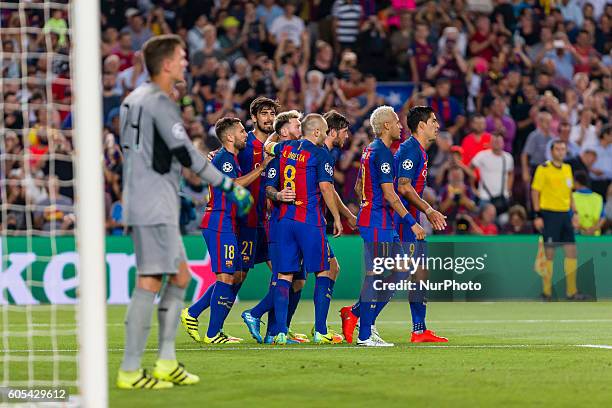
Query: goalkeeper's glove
(238, 195)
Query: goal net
(52, 275)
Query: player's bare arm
(327, 191)
(254, 174)
(286, 195)
(359, 188)
(394, 201)
(405, 188)
(345, 212)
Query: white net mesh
(38, 275)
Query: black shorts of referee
(558, 228)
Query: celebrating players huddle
(287, 163)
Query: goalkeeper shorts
(158, 248)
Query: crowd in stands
(505, 77)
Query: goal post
(87, 136)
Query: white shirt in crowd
(589, 138)
(292, 26)
(490, 166)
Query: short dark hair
(581, 177)
(285, 117)
(417, 115)
(605, 130)
(260, 103)
(159, 48)
(336, 121)
(556, 142)
(223, 125)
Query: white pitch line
(328, 348)
(597, 346)
(382, 322)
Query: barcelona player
(287, 126)
(219, 228)
(304, 167)
(378, 200)
(411, 177)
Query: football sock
(547, 278)
(322, 298)
(272, 329)
(365, 320)
(168, 313)
(356, 309)
(570, 276)
(137, 327)
(202, 303)
(294, 299)
(236, 288)
(418, 310)
(222, 301)
(265, 305)
(281, 302)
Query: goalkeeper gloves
(238, 195)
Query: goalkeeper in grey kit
(155, 148)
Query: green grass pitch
(499, 354)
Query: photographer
(456, 198)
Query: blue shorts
(253, 246)
(299, 241)
(416, 248)
(330, 251)
(379, 242)
(223, 251)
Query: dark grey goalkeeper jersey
(155, 148)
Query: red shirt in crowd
(471, 147)
(486, 53)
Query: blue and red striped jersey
(410, 162)
(303, 165)
(220, 214)
(249, 158)
(376, 169)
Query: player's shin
(281, 302)
(222, 301)
(295, 294)
(137, 327)
(202, 303)
(168, 312)
(322, 299)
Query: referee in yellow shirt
(551, 192)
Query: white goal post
(87, 135)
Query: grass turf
(507, 353)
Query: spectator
(451, 65)
(137, 29)
(517, 222)
(499, 122)
(601, 172)
(584, 161)
(476, 141)
(442, 156)
(483, 42)
(571, 12)
(57, 24)
(373, 48)
(132, 77)
(324, 58)
(589, 205)
(485, 223)
(534, 152)
(195, 36)
(456, 198)
(287, 26)
(232, 41)
(560, 59)
(420, 54)
(268, 11)
(347, 15)
(496, 169)
(56, 212)
(124, 51)
(447, 108)
(573, 150)
(584, 133)
(110, 98)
